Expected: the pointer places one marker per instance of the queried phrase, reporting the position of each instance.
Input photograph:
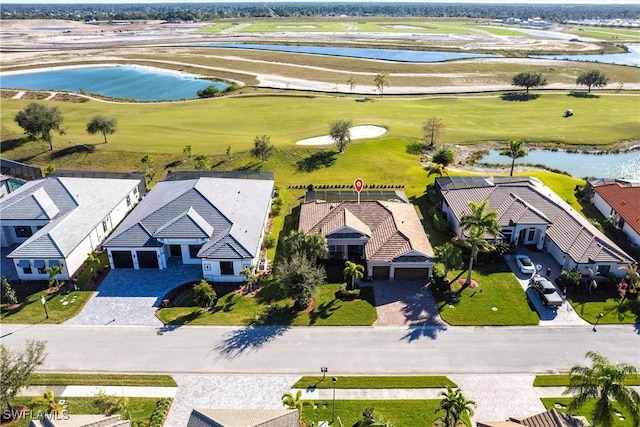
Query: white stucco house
(218, 223)
(529, 213)
(620, 201)
(60, 220)
(387, 235)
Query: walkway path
(91, 390)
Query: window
(226, 268)
(128, 201)
(25, 265)
(193, 251)
(22, 231)
(39, 265)
(104, 226)
(532, 234)
(603, 270)
(335, 251)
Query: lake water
(363, 53)
(142, 84)
(630, 58)
(621, 165)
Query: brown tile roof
(550, 418)
(394, 228)
(537, 204)
(625, 200)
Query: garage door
(411, 273)
(147, 259)
(381, 272)
(122, 259)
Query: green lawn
(376, 382)
(101, 380)
(270, 307)
(562, 380)
(615, 310)
(140, 408)
(498, 300)
(560, 404)
(165, 128)
(401, 413)
(60, 306)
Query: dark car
(547, 291)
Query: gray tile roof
(533, 203)
(228, 212)
(74, 207)
(243, 417)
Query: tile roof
(228, 212)
(394, 227)
(534, 203)
(246, 417)
(625, 200)
(73, 207)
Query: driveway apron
(405, 303)
(131, 297)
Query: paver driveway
(131, 297)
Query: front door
(175, 250)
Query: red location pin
(358, 184)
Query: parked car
(525, 265)
(547, 291)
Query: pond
(610, 165)
(363, 53)
(123, 82)
(631, 58)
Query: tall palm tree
(248, 274)
(604, 382)
(353, 270)
(455, 406)
(477, 225)
(515, 151)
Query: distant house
(388, 235)
(14, 174)
(244, 418)
(620, 201)
(218, 223)
(550, 418)
(59, 220)
(529, 213)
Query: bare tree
(433, 129)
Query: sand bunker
(357, 132)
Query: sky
(603, 2)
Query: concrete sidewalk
(88, 390)
(370, 393)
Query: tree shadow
(580, 94)
(315, 161)
(251, 166)
(324, 311)
(12, 144)
(417, 332)
(250, 338)
(518, 96)
(174, 164)
(75, 149)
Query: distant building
(620, 201)
(551, 418)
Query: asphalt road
(303, 350)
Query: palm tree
(478, 224)
(247, 272)
(515, 151)
(48, 400)
(455, 406)
(353, 270)
(450, 256)
(437, 169)
(295, 402)
(604, 382)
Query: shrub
(160, 412)
(203, 294)
(439, 282)
(440, 222)
(8, 293)
(569, 278)
(502, 247)
(346, 293)
(269, 241)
